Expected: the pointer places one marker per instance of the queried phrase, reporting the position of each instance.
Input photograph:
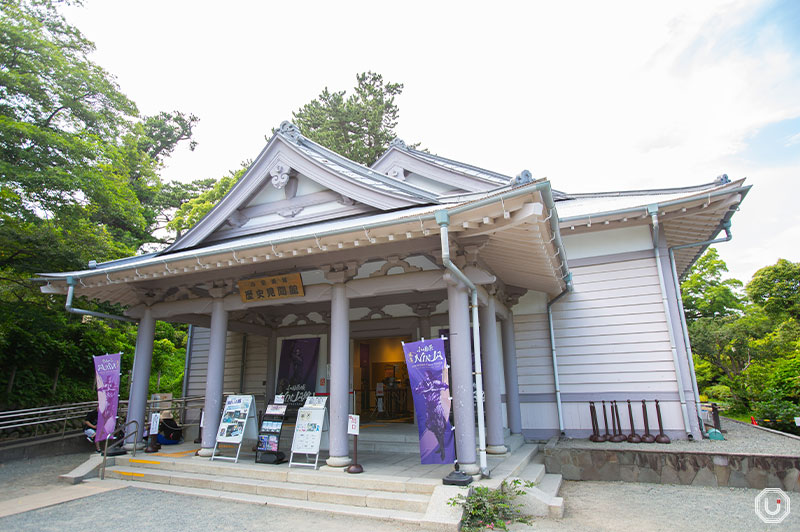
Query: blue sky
(594, 96)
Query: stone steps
(380, 514)
(542, 499)
(316, 493)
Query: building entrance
(381, 380)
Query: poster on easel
(238, 422)
(308, 431)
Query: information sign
(353, 422)
(308, 430)
(155, 419)
(234, 426)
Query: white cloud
(794, 139)
(595, 96)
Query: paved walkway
(590, 506)
(35, 475)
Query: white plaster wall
(608, 242)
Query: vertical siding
(198, 365)
(233, 364)
(255, 375)
(255, 371)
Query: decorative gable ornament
(280, 175)
(523, 178)
(289, 130)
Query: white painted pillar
(510, 367)
(340, 376)
(461, 377)
(215, 375)
(140, 379)
(492, 368)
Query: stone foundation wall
(697, 469)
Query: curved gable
(292, 182)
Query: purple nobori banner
(427, 371)
(297, 374)
(106, 372)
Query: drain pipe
(550, 304)
(726, 226)
(443, 219)
(81, 312)
(652, 210)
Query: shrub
(777, 413)
(718, 391)
(491, 508)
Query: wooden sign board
(274, 287)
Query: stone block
(648, 475)
(582, 459)
(720, 460)
(686, 472)
(625, 458)
(570, 472)
(756, 479)
(669, 475)
(609, 471)
(705, 477)
(737, 480)
(723, 473)
(790, 479)
(628, 473)
(773, 481)
(552, 464)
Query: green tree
(192, 210)
(359, 126)
(78, 181)
(777, 289)
(705, 294)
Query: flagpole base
(457, 478)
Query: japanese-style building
(576, 293)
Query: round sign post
(353, 422)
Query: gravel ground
(622, 507)
(35, 475)
(141, 510)
(590, 506)
(741, 438)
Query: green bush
(491, 508)
(718, 391)
(777, 413)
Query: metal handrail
(121, 441)
(63, 414)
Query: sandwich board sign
(308, 429)
(238, 422)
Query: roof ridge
(719, 181)
(291, 133)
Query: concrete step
(551, 484)
(368, 512)
(260, 472)
(533, 472)
(372, 498)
